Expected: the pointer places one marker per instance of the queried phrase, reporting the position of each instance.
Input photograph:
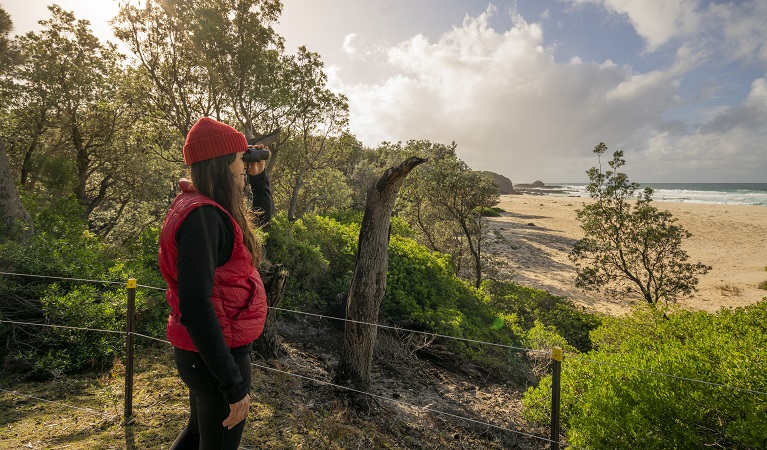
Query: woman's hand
(256, 168)
(237, 412)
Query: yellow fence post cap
(131, 283)
(556, 354)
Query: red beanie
(208, 139)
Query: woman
(208, 255)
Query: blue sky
(527, 88)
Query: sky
(528, 88)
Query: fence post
(556, 356)
(129, 351)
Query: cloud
(347, 46)
(750, 115)
(512, 108)
(728, 147)
(504, 100)
(740, 29)
(656, 21)
(732, 30)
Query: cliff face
(504, 184)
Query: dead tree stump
(369, 282)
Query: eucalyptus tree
(68, 95)
(319, 143)
(27, 103)
(303, 186)
(219, 58)
(360, 166)
(242, 52)
(182, 88)
(444, 202)
(368, 284)
(9, 54)
(630, 250)
(145, 183)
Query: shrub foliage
(63, 248)
(423, 292)
(617, 395)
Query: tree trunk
(475, 253)
(369, 282)
(267, 345)
(293, 205)
(15, 221)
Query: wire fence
(291, 374)
(555, 352)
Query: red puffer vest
(238, 294)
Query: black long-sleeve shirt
(263, 204)
(205, 241)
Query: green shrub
(530, 305)
(422, 290)
(487, 211)
(318, 252)
(616, 395)
(71, 351)
(541, 337)
(64, 255)
(424, 293)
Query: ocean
(711, 193)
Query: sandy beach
(535, 235)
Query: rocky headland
(536, 188)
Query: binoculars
(255, 155)
(260, 154)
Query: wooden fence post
(129, 351)
(556, 356)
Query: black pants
(208, 405)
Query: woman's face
(239, 169)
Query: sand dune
(536, 233)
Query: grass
(86, 411)
(287, 412)
(283, 415)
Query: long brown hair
(212, 178)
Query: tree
(219, 58)
(15, 221)
(318, 122)
(369, 282)
(242, 54)
(9, 54)
(69, 106)
(182, 89)
(75, 123)
(445, 201)
(634, 251)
